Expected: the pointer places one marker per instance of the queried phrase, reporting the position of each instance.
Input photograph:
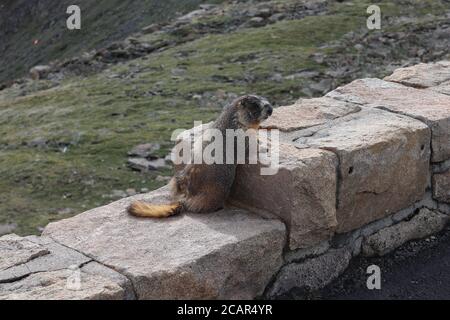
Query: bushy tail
(147, 210)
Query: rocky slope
(35, 32)
(65, 140)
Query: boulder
(53, 285)
(38, 268)
(422, 225)
(144, 150)
(422, 75)
(383, 163)
(307, 113)
(227, 254)
(15, 251)
(6, 228)
(311, 274)
(302, 193)
(40, 72)
(144, 165)
(441, 186)
(427, 106)
(151, 28)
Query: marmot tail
(147, 210)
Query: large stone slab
(422, 225)
(227, 254)
(310, 274)
(441, 186)
(15, 251)
(427, 106)
(302, 193)
(39, 268)
(53, 285)
(307, 113)
(422, 75)
(383, 163)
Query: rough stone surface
(441, 186)
(311, 274)
(443, 88)
(39, 268)
(441, 167)
(425, 223)
(383, 163)
(423, 75)
(302, 193)
(302, 254)
(227, 254)
(425, 105)
(15, 251)
(52, 285)
(307, 113)
(56, 257)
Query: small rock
(264, 13)
(276, 17)
(157, 164)
(144, 150)
(38, 143)
(163, 178)
(151, 28)
(319, 58)
(191, 15)
(207, 6)
(118, 194)
(277, 77)
(143, 165)
(323, 86)
(65, 211)
(144, 190)
(131, 192)
(39, 72)
(302, 74)
(178, 71)
(7, 228)
(256, 22)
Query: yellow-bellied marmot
(203, 187)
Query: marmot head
(252, 110)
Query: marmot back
(205, 187)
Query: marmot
(202, 188)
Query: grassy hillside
(103, 21)
(63, 149)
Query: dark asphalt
(417, 270)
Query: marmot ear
(249, 102)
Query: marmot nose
(269, 111)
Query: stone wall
(362, 171)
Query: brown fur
(204, 188)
